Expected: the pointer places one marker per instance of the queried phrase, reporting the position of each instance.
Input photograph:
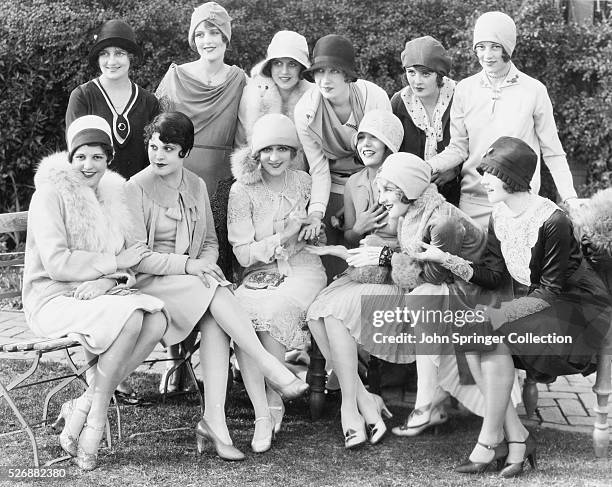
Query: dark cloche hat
(511, 160)
(332, 51)
(114, 33)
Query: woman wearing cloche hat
(208, 91)
(126, 106)
(532, 239)
(424, 105)
(326, 118)
(276, 85)
(267, 207)
(500, 100)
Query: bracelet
(384, 260)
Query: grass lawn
(304, 453)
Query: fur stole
(95, 220)
(260, 97)
(593, 220)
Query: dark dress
(128, 139)
(414, 143)
(560, 295)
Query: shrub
(44, 45)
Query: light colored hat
(88, 130)
(273, 129)
(426, 51)
(213, 13)
(496, 27)
(408, 172)
(286, 43)
(383, 125)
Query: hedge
(44, 45)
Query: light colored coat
(74, 232)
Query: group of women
(124, 265)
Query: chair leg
(603, 389)
(26, 427)
(530, 395)
(316, 378)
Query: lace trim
(518, 234)
(458, 266)
(287, 325)
(257, 202)
(521, 307)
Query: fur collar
(594, 220)
(261, 96)
(96, 220)
(245, 168)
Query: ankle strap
(493, 447)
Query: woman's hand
(311, 228)
(93, 289)
(202, 268)
(431, 253)
(363, 256)
(370, 220)
(337, 250)
(132, 255)
(441, 178)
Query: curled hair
(267, 68)
(108, 151)
(426, 70)
(173, 128)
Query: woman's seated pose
(172, 215)
(335, 317)
(422, 214)
(76, 276)
(267, 207)
(560, 296)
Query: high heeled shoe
(421, 419)
(500, 452)
(381, 406)
(264, 444)
(69, 440)
(376, 431)
(226, 451)
(87, 450)
(355, 436)
(277, 413)
(292, 390)
(174, 382)
(516, 469)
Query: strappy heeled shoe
(516, 469)
(87, 450)
(500, 452)
(226, 451)
(377, 430)
(69, 439)
(277, 413)
(421, 419)
(292, 390)
(263, 445)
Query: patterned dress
(280, 281)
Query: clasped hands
(125, 259)
(203, 268)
